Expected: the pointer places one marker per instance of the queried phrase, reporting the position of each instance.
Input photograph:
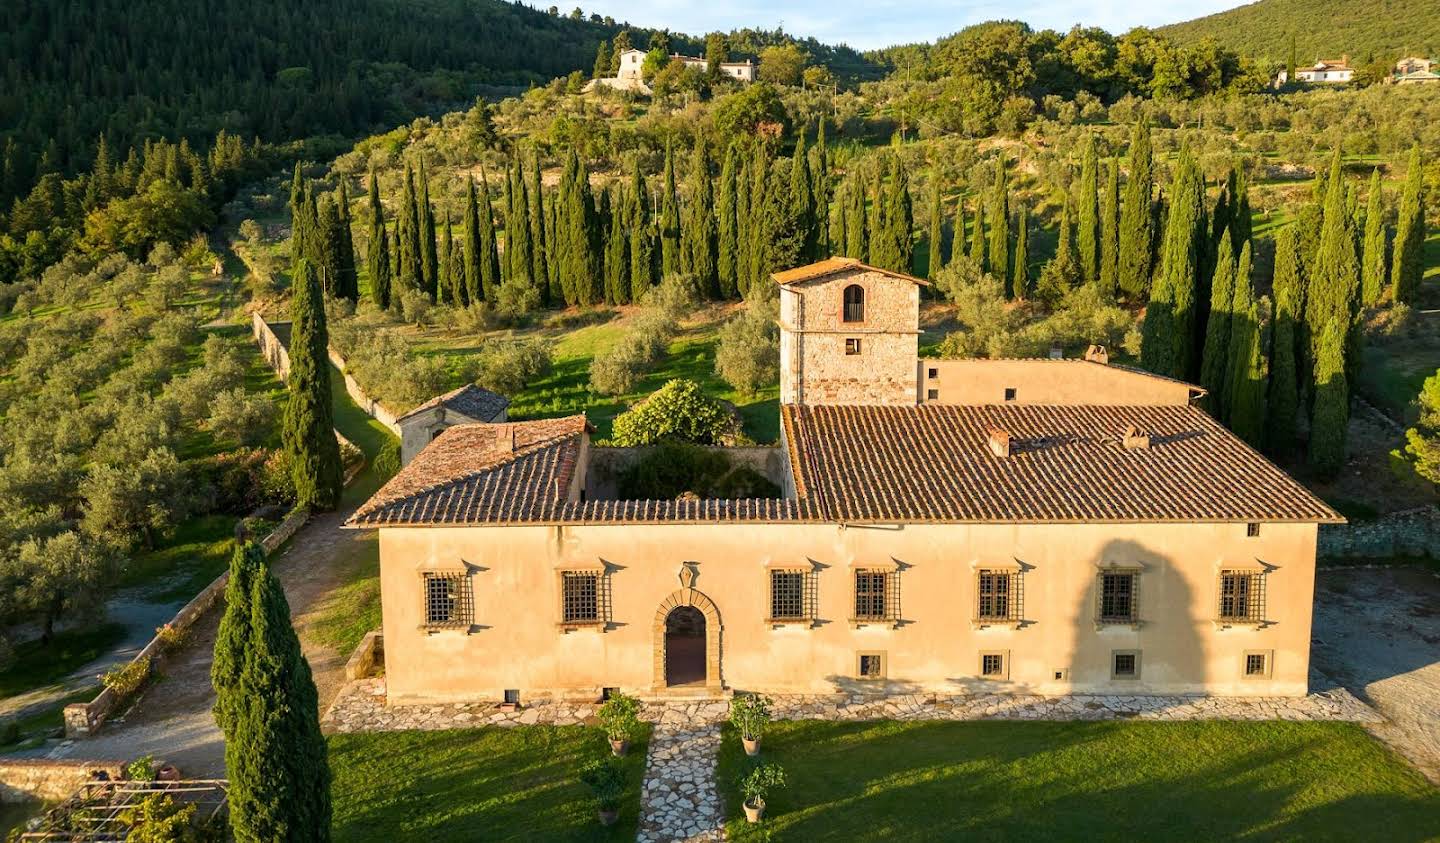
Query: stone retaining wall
(367, 657)
(31, 779)
(272, 348)
(1412, 533)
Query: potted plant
(748, 714)
(619, 718)
(606, 781)
(754, 786)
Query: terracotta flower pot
(607, 818)
(754, 811)
(619, 748)
(752, 746)
(168, 773)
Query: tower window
(852, 345)
(854, 304)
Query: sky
(882, 23)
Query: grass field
(491, 784)
(36, 664)
(1117, 781)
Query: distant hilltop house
(1414, 71)
(1324, 71)
(630, 77)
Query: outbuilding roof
(834, 266)
(470, 400)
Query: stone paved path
(678, 801)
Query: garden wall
(606, 464)
(45, 780)
(274, 337)
(1411, 533)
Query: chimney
(1057, 352)
(1098, 354)
(505, 437)
(1134, 439)
(999, 442)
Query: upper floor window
(997, 596)
(877, 596)
(1242, 596)
(582, 599)
(854, 303)
(1118, 593)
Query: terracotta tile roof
(831, 266)
(933, 464)
(469, 400)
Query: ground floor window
(997, 596)
(580, 597)
(871, 665)
(791, 595)
(1257, 664)
(1125, 664)
(877, 596)
(447, 600)
(1242, 596)
(1118, 593)
(995, 664)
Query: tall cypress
(957, 232)
(900, 217)
(699, 233)
(447, 288)
(519, 251)
(999, 213)
(1020, 274)
(1110, 232)
(1214, 362)
(309, 430)
(489, 261)
(1087, 217)
(1168, 332)
(425, 213)
(1373, 272)
(377, 257)
(820, 184)
(1333, 293)
(349, 279)
(977, 238)
(617, 251)
(1330, 416)
(642, 244)
(1136, 220)
(232, 639)
(1284, 396)
(857, 228)
(758, 249)
(1245, 385)
(935, 261)
(297, 215)
(727, 234)
(670, 262)
(325, 247)
(407, 235)
(1408, 267)
(800, 209)
(470, 245)
(538, 244)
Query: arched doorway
(684, 647)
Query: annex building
(1046, 526)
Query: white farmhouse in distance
(1324, 71)
(1414, 71)
(630, 76)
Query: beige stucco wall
(1044, 382)
(516, 642)
(814, 368)
(420, 429)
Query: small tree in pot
(748, 714)
(619, 718)
(606, 781)
(756, 784)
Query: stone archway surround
(689, 597)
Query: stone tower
(849, 334)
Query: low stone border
(360, 707)
(367, 656)
(46, 780)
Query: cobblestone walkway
(678, 800)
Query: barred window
(1258, 663)
(877, 596)
(997, 595)
(1118, 596)
(447, 601)
(580, 597)
(872, 666)
(791, 595)
(1242, 596)
(992, 665)
(1125, 664)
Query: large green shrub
(678, 410)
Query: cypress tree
(553, 282)
(1062, 274)
(820, 182)
(935, 262)
(1373, 273)
(280, 789)
(1240, 222)
(1408, 267)
(407, 235)
(1215, 363)
(519, 252)
(670, 259)
(1333, 293)
(315, 246)
(617, 253)
(489, 261)
(1110, 232)
(297, 215)
(699, 233)
(743, 222)
(999, 214)
(377, 258)
(447, 288)
(857, 223)
(800, 213)
(1136, 217)
(642, 248)
(879, 238)
(538, 245)
(582, 230)
(1284, 396)
(957, 232)
(1020, 275)
(309, 431)
(1168, 331)
(232, 639)
(727, 234)
(326, 247)
(1088, 212)
(760, 222)
(429, 262)
(1290, 63)
(1246, 383)
(901, 218)
(977, 240)
(1330, 417)
(470, 243)
(349, 279)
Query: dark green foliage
(1409, 259)
(407, 236)
(894, 245)
(489, 260)
(698, 257)
(642, 241)
(999, 213)
(1215, 361)
(348, 279)
(1246, 384)
(578, 236)
(679, 410)
(1374, 271)
(820, 185)
(670, 469)
(935, 261)
(280, 783)
(1062, 273)
(1110, 232)
(425, 216)
(617, 251)
(727, 258)
(1284, 401)
(857, 240)
(519, 251)
(1333, 292)
(470, 247)
(539, 246)
(1170, 318)
(1330, 416)
(977, 239)
(669, 218)
(1020, 276)
(799, 208)
(1087, 218)
(232, 639)
(1136, 220)
(377, 257)
(1275, 32)
(448, 289)
(309, 432)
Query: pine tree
(1330, 416)
(1110, 232)
(349, 279)
(999, 213)
(1333, 294)
(1088, 213)
(228, 663)
(1169, 328)
(1408, 267)
(309, 432)
(1246, 383)
(280, 785)
(377, 257)
(1136, 218)
(1215, 364)
(977, 239)
(727, 259)
(489, 261)
(1373, 273)
(699, 232)
(602, 60)
(425, 213)
(935, 261)
(670, 261)
(1020, 275)
(642, 248)
(1284, 396)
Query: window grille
(1126, 665)
(992, 664)
(1255, 664)
(854, 304)
(792, 595)
(1119, 596)
(580, 601)
(1242, 596)
(447, 601)
(1252, 530)
(877, 596)
(997, 595)
(872, 666)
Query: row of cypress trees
(320, 234)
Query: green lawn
(353, 608)
(187, 561)
(37, 665)
(1123, 781)
(517, 784)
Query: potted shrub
(754, 786)
(606, 781)
(619, 717)
(748, 714)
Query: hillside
(1367, 30)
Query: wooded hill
(1368, 30)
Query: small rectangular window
(447, 601)
(932, 374)
(871, 666)
(1258, 664)
(932, 394)
(580, 597)
(1009, 393)
(1125, 664)
(608, 693)
(1252, 530)
(852, 345)
(512, 696)
(992, 665)
(1118, 596)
